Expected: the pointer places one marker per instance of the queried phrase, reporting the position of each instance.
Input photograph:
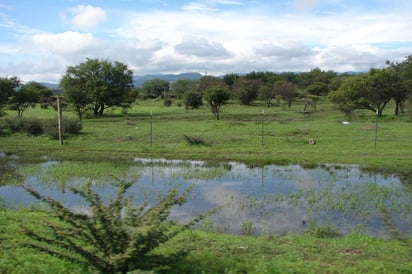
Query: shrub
(70, 126)
(193, 99)
(29, 125)
(195, 140)
(113, 237)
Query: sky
(40, 39)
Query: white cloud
(85, 17)
(202, 48)
(209, 5)
(304, 5)
(66, 43)
(218, 36)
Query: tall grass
(237, 136)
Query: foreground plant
(111, 238)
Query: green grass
(237, 137)
(220, 253)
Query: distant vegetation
(95, 85)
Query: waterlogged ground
(260, 200)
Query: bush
(29, 125)
(114, 237)
(195, 140)
(37, 126)
(70, 126)
(193, 99)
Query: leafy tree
(287, 91)
(382, 84)
(216, 98)
(268, 92)
(193, 99)
(348, 97)
(247, 90)
(230, 79)
(404, 88)
(315, 75)
(206, 82)
(371, 91)
(76, 94)
(103, 84)
(181, 86)
(28, 95)
(46, 97)
(317, 88)
(113, 237)
(155, 88)
(8, 87)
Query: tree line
(95, 85)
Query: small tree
(28, 95)
(113, 238)
(8, 87)
(268, 92)
(98, 84)
(216, 97)
(183, 86)
(287, 91)
(247, 90)
(193, 99)
(155, 88)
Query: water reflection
(274, 199)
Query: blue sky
(40, 39)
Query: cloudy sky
(40, 39)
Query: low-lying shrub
(70, 126)
(36, 126)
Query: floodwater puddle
(271, 200)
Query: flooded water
(260, 200)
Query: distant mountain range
(139, 80)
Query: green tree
(381, 86)
(8, 87)
(349, 95)
(46, 97)
(155, 88)
(216, 97)
(371, 91)
(268, 92)
(114, 237)
(181, 86)
(317, 88)
(193, 99)
(315, 75)
(206, 82)
(287, 91)
(230, 79)
(75, 93)
(28, 95)
(104, 83)
(247, 90)
(404, 88)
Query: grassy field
(201, 252)
(236, 137)
(243, 134)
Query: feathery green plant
(112, 238)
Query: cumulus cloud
(218, 36)
(284, 51)
(201, 47)
(68, 42)
(85, 17)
